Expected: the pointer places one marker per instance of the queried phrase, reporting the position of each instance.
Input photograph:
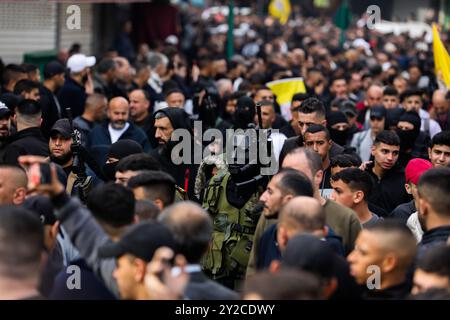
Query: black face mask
(109, 171)
(339, 137)
(407, 139)
(243, 118)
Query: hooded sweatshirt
(184, 173)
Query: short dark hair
(345, 160)
(21, 242)
(387, 137)
(441, 138)
(402, 241)
(191, 227)
(392, 225)
(356, 179)
(315, 128)
(138, 162)
(300, 97)
(28, 67)
(157, 185)
(434, 186)
(112, 204)
(311, 105)
(390, 91)
(295, 183)
(28, 107)
(174, 90)
(411, 92)
(105, 65)
(146, 210)
(25, 85)
(11, 72)
(338, 77)
(436, 260)
(144, 92)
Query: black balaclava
(408, 137)
(245, 113)
(393, 116)
(338, 136)
(120, 149)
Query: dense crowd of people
(97, 202)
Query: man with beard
(413, 142)
(167, 120)
(117, 127)
(61, 153)
(388, 191)
(284, 186)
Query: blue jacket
(100, 136)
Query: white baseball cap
(78, 62)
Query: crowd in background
(364, 157)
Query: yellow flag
(280, 9)
(441, 59)
(285, 89)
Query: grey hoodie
(87, 236)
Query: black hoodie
(25, 142)
(184, 174)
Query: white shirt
(434, 127)
(116, 134)
(362, 142)
(413, 224)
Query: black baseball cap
(62, 126)
(53, 68)
(140, 240)
(378, 112)
(4, 110)
(43, 207)
(348, 107)
(309, 253)
(11, 100)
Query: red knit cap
(415, 168)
